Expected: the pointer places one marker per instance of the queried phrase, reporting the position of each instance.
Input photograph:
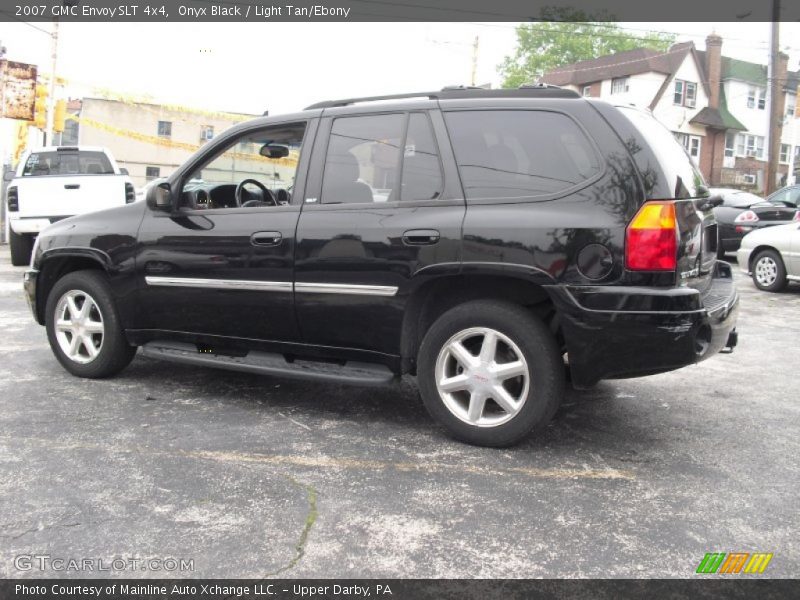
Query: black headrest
(343, 168)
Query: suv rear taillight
(747, 216)
(13, 199)
(130, 193)
(651, 238)
(796, 216)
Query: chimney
(713, 68)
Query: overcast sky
(282, 67)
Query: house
(715, 105)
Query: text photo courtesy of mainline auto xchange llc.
(377, 299)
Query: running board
(267, 363)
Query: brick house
(715, 105)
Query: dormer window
(756, 97)
(619, 85)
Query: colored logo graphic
(734, 562)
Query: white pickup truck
(56, 182)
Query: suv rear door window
(520, 153)
(67, 163)
(363, 159)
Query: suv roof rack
(538, 90)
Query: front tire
(769, 273)
(83, 326)
(21, 245)
(490, 373)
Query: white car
(772, 256)
(56, 182)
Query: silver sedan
(772, 256)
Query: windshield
(41, 164)
(684, 179)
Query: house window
(678, 98)
(750, 145)
(791, 103)
(690, 142)
(207, 132)
(730, 144)
(619, 85)
(691, 94)
(685, 93)
(784, 157)
(749, 178)
(587, 90)
(165, 128)
(756, 97)
(151, 173)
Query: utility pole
(474, 61)
(775, 104)
(51, 99)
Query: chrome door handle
(420, 237)
(266, 238)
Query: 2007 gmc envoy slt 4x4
(490, 242)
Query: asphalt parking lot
(256, 477)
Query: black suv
(492, 243)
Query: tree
(543, 46)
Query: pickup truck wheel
(490, 372)
(21, 247)
(769, 274)
(83, 327)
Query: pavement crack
(311, 517)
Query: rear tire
(21, 247)
(83, 326)
(491, 393)
(769, 273)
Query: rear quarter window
(682, 177)
(41, 164)
(509, 154)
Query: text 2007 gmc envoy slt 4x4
(486, 241)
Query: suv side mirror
(159, 197)
(8, 175)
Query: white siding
(676, 117)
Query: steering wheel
(269, 197)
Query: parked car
(473, 238)
(789, 195)
(742, 212)
(56, 182)
(771, 256)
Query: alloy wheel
(79, 326)
(482, 377)
(766, 271)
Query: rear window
(520, 153)
(67, 163)
(684, 180)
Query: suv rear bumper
(614, 332)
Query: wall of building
(642, 88)
(136, 155)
